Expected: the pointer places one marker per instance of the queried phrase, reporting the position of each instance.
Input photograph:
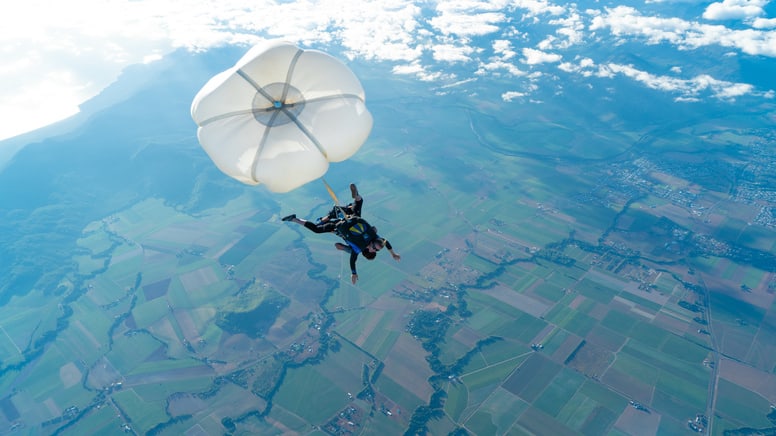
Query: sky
(56, 55)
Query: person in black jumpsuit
(329, 222)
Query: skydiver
(365, 241)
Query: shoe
(289, 217)
(353, 190)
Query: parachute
(280, 115)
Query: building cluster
(638, 406)
(631, 179)
(766, 217)
(698, 424)
(347, 422)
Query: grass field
(522, 329)
(162, 391)
(555, 396)
(502, 350)
(549, 225)
(673, 407)
(505, 409)
(487, 321)
(742, 406)
(549, 291)
(649, 334)
(457, 400)
(684, 350)
(649, 305)
(679, 387)
(619, 322)
(103, 421)
(492, 375)
(84, 342)
(595, 291)
(576, 410)
(144, 415)
(571, 320)
(504, 387)
(310, 395)
(398, 394)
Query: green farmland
(569, 271)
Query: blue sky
(57, 55)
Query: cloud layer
(57, 56)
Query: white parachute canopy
(280, 115)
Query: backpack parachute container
(357, 232)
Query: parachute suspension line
(331, 192)
(333, 196)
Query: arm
(353, 259)
(394, 254)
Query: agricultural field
(556, 295)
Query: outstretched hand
(354, 278)
(396, 256)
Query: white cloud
(539, 7)
(458, 21)
(463, 23)
(503, 47)
(685, 88)
(417, 70)
(571, 31)
(458, 83)
(764, 23)
(56, 56)
(734, 9)
(624, 21)
(57, 53)
(503, 52)
(511, 95)
(499, 65)
(413, 68)
(451, 53)
(73, 50)
(532, 56)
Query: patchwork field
(544, 288)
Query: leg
(324, 227)
(327, 227)
(357, 206)
(358, 200)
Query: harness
(356, 232)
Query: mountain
(135, 140)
